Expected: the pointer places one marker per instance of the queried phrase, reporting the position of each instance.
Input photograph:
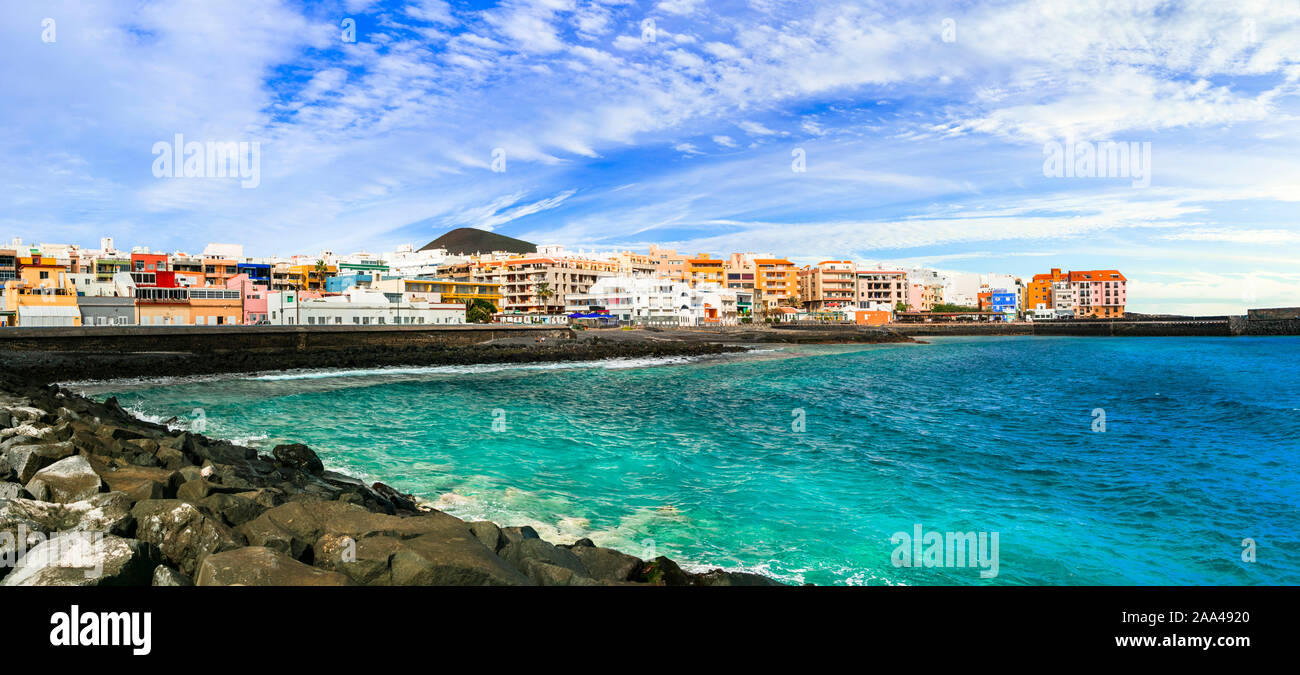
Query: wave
(618, 363)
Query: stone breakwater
(147, 505)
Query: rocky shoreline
(92, 496)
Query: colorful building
(254, 298)
(1100, 294)
(703, 269)
(830, 284)
(149, 262)
(776, 283)
(42, 295)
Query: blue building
(258, 273)
(343, 282)
(1002, 301)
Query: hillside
(466, 240)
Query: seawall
(1218, 326)
(207, 340)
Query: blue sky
(677, 122)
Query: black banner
(333, 626)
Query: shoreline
(180, 508)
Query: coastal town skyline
(907, 136)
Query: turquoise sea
(705, 460)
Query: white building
(359, 307)
(962, 290)
(408, 262)
(658, 300)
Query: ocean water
(802, 462)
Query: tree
(900, 307)
(479, 310)
(544, 291)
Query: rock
(294, 527)
(299, 456)
(166, 576)
(11, 491)
(67, 480)
(260, 566)
(25, 460)
(183, 533)
(171, 458)
(108, 512)
(140, 483)
(488, 533)
(724, 578)
(399, 500)
(233, 510)
(546, 574)
(6, 419)
(6, 470)
(86, 559)
(448, 559)
(662, 572)
(366, 562)
(195, 491)
(606, 564)
(534, 549)
(510, 535)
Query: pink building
(1099, 294)
(254, 298)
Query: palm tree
(479, 310)
(321, 269)
(544, 292)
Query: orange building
(776, 283)
(705, 270)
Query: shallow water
(702, 459)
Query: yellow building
(42, 295)
(444, 290)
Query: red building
(148, 262)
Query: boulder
(605, 564)
(182, 532)
(108, 512)
(26, 459)
(261, 566)
(195, 491)
(234, 510)
(662, 572)
(86, 559)
(67, 480)
(450, 559)
(11, 491)
(725, 578)
(488, 533)
(171, 458)
(528, 556)
(402, 501)
(299, 456)
(166, 576)
(294, 527)
(140, 483)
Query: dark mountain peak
(466, 240)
